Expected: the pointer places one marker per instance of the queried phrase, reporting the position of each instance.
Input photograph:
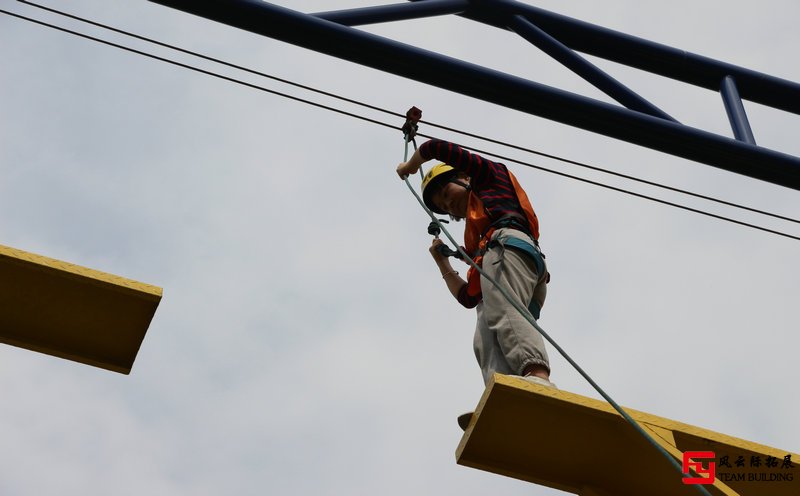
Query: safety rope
(408, 137)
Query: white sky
(306, 343)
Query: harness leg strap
(535, 255)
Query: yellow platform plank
(73, 312)
(583, 446)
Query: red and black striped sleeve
(466, 300)
(481, 170)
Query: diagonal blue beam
(735, 110)
(396, 12)
(585, 69)
(496, 87)
(642, 54)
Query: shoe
(464, 420)
(538, 380)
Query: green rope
(527, 315)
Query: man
(501, 234)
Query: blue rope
(526, 314)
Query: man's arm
(481, 171)
(451, 278)
(405, 169)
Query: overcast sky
(305, 343)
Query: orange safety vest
(479, 229)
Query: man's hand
(405, 169)
(454, 283)
(435, 253)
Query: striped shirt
(489, 180)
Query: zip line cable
(393, 127)
(527, 316)
(211, 59)
(614, 173)
(197, 69)
(633, 193)
(395, 114)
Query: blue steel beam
(396, 12)
(496, 87)
(642, 54)
(735, 110)
(583, 67)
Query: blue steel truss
(635, 120)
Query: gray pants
(505, 342)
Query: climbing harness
(409, 131)
(533, 253)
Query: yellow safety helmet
(437, 177)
